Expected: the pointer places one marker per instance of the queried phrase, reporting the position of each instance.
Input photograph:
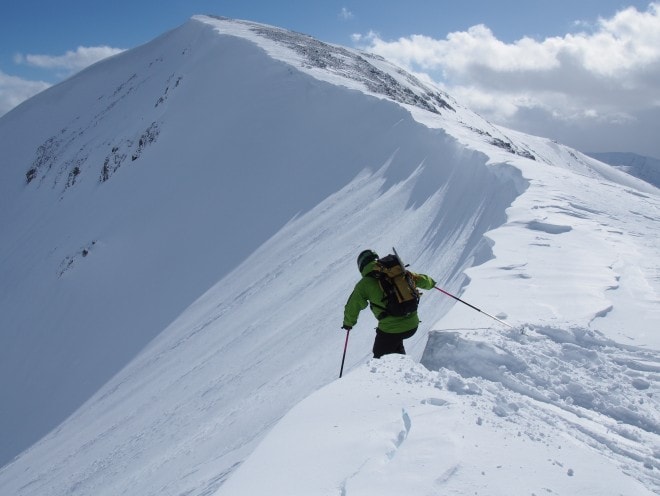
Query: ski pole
(341, 371)
(473, 307)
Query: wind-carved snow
(547, 228)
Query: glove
(347, 327)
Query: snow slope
(155, 174)
(646, 168)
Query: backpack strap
(379, 311)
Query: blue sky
(53, 27)
(40, 40)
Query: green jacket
(367, 290)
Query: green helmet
(365, 257)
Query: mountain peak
(336, 63)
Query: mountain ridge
(76, 232)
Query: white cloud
(71, 61)
(14, 90)
(606, 74)
(346, 14)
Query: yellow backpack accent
(398, 285)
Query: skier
(391, 330)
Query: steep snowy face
(133, 187)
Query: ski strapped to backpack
(398, 284)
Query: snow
(394, 427)
(646, 168)
(170, 322)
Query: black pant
(389, 342)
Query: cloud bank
(71, 61)
(592, 89)
(14, 90)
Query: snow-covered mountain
(646, 168)
(180, 225)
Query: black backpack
(398, 284)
